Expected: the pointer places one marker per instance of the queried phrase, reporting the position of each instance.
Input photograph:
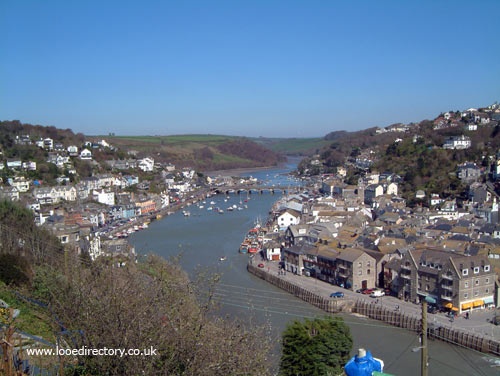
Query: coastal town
(359, 237)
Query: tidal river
(205, 236)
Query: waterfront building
(447, 279)
(356, 269)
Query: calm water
(205, 236)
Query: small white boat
(223, 258)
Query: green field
(301, 146)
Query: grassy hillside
(203, 152)
(294, 146)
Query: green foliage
(32, 318)
(315, 347)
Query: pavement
(479, 321)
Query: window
(368, 264)
(476, 270)
(487, 280)
(466, 284)
(466, 295)
(360, 272)
(360, 264)
(427, 288)
(477, 282)
(486, 268)
(465, 272)
(476, 293)
(368, 271)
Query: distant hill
(203, 152)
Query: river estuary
(205, 236)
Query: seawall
(377, 312)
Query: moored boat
(244, 247)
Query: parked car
(337, 294)
(367, 291)
(377, 293)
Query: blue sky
(254, 68)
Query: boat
(186, 213)
(223, 258)
(254, 248)
(244, 248)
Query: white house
(20, 183)
(458, 142)
(146, 164)
(67, 193)
(86, 154)
(46, 195)
(106, 198)
(392, 189)
(48, 144)
(14, 163)
(272, 250)
(30, 166)
(435, 199)
(73, 151)
(288, 217)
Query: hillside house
(146, 164)
(104, 197)
(72, 151)
(457, 142)
(14, 163)
(20, 183)
(86, 155)
(468, 172)
(48, 144)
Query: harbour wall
(377, 312)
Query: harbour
(203, 238)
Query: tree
(315, 347)
(148, 305)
